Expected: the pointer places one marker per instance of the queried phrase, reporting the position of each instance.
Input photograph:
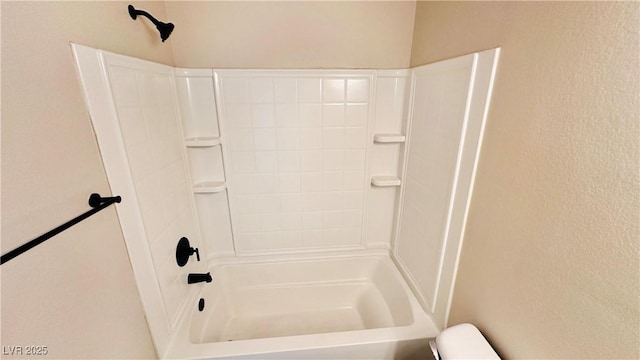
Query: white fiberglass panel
(148, 117)
(386, 156)
(297, 143)
(447, 114)
(133, 108)
(439, 116)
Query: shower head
(165, 29)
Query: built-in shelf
(388, 138)
(384, 181)
(202, 141)
(209, 187)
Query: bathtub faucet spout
(196, 278)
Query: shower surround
(296, 186)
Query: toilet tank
(464, 341)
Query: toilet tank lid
(464, 341)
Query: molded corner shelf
(388, 138)
(202, 141)
(385, 181)
(209, 187)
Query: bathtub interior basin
(253, 301)
(273, 308)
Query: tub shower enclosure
(327, 205)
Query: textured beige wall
(75, 293)
(550, 266)
(303, 34)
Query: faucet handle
(184, 251)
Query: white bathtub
(344, 308)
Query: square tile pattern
(297, 145)
(147, 116)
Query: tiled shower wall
(288, 155)
(148, 119)
(297, 147)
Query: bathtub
(356, 307)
